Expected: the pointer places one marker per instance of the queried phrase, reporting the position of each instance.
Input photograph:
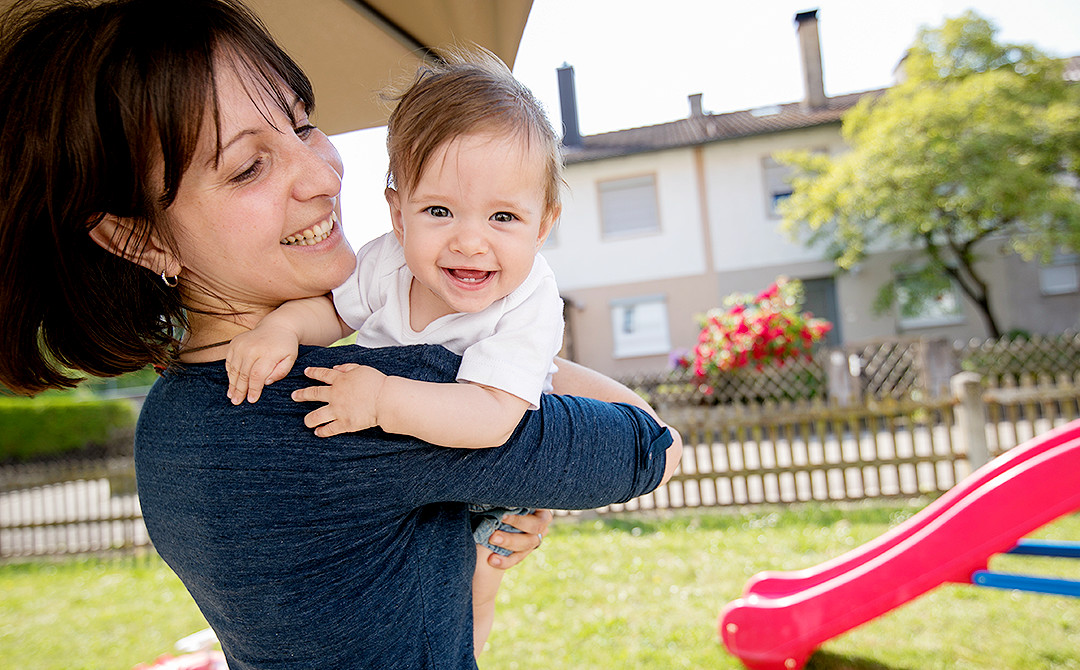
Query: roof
(706, 128)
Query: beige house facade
(661, 223)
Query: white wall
(582, 258)
(744, 235)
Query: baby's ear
(117, 235)
(547, 224)
(394, 200)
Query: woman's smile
(313, 235)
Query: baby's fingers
(254, 390)
(330, 429)
(263, 375)
(324, 375)
(316, 419)
(312, 394)
(238, 384)
(280, 371)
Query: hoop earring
(171, 282)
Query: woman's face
(260, 225)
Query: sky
(636, 61)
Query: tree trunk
(987, 315)
(976, 289)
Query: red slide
(775, 583)
(783, 617)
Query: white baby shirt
(510, 345)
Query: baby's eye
(438, 211)
(503, 217)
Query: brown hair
(102, 105)
(467, 92)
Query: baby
(474, 180)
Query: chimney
(810, 50)
(568, 106)
(695, 106)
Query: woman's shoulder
(425, 362)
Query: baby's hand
(259, 358)
(350, 396)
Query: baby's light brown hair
(470, 91)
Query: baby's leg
(485, 520)
(486, 580)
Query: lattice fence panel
(1039, 355)
(889, 369)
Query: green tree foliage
(980, 141)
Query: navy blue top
(355, 551)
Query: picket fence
(885, 445)
(818, 450)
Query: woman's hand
(533, 528)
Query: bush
(50, 426)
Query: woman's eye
(304, 131)
(249, 173)
(503, 217)
(438, 211)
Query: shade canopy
(352, 49)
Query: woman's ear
(117, 236)
(394, 200)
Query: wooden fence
(88, 507)
(815, 450)
(773, 452)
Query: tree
(979, 142)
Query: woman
(160, 175)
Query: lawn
(633, 592)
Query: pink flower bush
(761, 330)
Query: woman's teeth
(314, 234)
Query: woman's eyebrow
(212, 162)
(239, 136)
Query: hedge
(55, 425)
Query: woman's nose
(318, 169)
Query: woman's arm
(575, 379)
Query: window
(1061, 275)
(925, 300)
(777, 188)
(639, 327)
(628, 206)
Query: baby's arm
(467, 415)
(266, 353)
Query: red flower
(766, 329)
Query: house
(661, 222)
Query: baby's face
(472, 224)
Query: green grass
(90, 614)
(634, 592)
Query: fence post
(843, 386)
(971, 417)
(937, 365)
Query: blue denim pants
(486, 519)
